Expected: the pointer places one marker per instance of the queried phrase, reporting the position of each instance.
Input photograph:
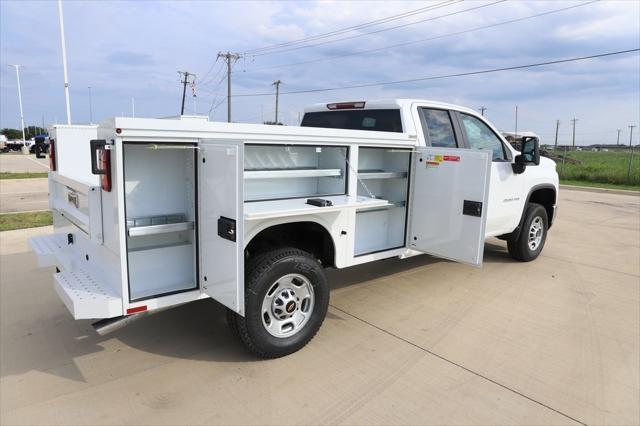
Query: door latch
(227, 228)
(472, 208)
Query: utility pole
(618, 139)
(277, 83)
(64, 62)
(573, 139)
(90, 107)
(185, 81)
(133, 108)
(482, 110)
(631, 126)
(228, 57)
(557, 126)
(17, 67)
(516, 132)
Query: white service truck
(155, 213)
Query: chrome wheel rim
(536, 231)
(287, 305)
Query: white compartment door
(450, 189)
(220, 217)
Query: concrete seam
(460, 366)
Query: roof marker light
(346, 105)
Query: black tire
(260, 275)
(519, 248)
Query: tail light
(52, 155)
(101, 162)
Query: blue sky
(127, 50)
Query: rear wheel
(286, 300)
(533, 234)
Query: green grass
(599, 185)
(9, 221)
(605, 168)
(9, 175)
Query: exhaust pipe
(109, 325)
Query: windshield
(382, 120)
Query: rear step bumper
(85, 297)
(82, 292)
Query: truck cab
(435, 124)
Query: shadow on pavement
(196, 331)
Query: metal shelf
(380, 174)
(139, 231)
(291, 173)
(391, 205)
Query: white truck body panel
(72, 151)
(157, 239)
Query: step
(47, 247)
(85, 296)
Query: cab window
(439, 128)
(480, 136)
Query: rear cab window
(380, 120)
(438, 128)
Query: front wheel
(286, 300)
(533, 234)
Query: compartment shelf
(154, 225)
(380, 174)
(291, 173)
(391, 205)
(140, 231)
(292, 207)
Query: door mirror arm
(519, 164)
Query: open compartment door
(448, 209)
(220, 201)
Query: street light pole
(90, 107)
(64, 62)
(17, 67)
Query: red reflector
(118, 130)
(346, 105)
(104, 162)
(137, 309)
(451, 158)
(52, 155)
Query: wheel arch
(307, 235)
(544, 194)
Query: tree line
(29, 132)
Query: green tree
(12, 134)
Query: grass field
(9, 175)
(609, 168)
(9, 221)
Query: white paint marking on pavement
(23, 192)
(37, 162)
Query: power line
(354, 27)
(423, 40)
(437, 77)
(381, 30)
(204, 79)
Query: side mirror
(531, 150)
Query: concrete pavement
(15, 162)
(419, 341)
(17, 195)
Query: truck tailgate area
(84, 293)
